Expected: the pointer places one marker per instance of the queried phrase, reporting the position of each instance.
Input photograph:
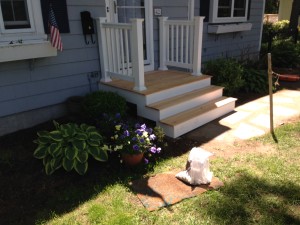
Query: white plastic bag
(197, 168)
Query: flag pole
(270, 74)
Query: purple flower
(137, 125)
(126, 133)
(152, 137)
(143, 127)
(134, 139)
(136, 147)
(158, 150)
(139, 132)
(149, 130)
(118, 115)
(146, 161)
(153, 149)
(142, 140)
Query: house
(36, 79)
(285, 8)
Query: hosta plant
(69, 146)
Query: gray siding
(49, 81)
(27, 85)
(241, 44)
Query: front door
(121, 11)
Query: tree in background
(294, 18)
(272, 6)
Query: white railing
(181, 43)
(121, 51)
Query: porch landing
(175, 100)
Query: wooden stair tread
(182, 98)
(157, 81)
(196, 111)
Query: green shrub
(278, 31)
(285, 54)
(256, 81)
(96, 104)
(226, 73)
(69, 146)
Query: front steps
(177, 108)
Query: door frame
(111, 16)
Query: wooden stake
(270, 92)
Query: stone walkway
(251, 119)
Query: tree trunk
(294, 18)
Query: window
(15, 14)
(21, 29)
(228, 11)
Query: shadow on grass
(251, 200)
(29, 196)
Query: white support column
(137, 54)
(197, 51)
(102, 49)
(162, 43)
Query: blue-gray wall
(27, 85)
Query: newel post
(197, 51)
(137, 54)
(162, 43)
(102, 49)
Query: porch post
(137, 54)
(102, 49)
(197, 51)
(162, 43)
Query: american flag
(54, 31)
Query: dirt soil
(27, 194)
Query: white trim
(261, 25)
(227, 28)
(18, 44)
(213, 14)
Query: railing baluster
(181, 46)
(172, 43)
(187, 44)
(127, 51)
(177, 48)
(122, 51)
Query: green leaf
(84, 126)
(79, 145)
(48, 168)
(43, 133)
(81, 168)
(71, 153)
(98, 153)
(41, 152)
(46, 160)
(82, 156)
(56, 163)
(44, 140)
(91, 129)
(68, 165)
(95, 136)
(81, 136)
(94, 143)
(55, 149)
(56, 135)
(56, 124)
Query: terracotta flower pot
(132, 159)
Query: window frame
(36, 30)
(26, 43)
(214, 6)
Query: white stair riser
(159, 96)
(191, 103)
(129, 96)
(195, 122)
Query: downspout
(262, 25)
(191, 9)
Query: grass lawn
(261, 187)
